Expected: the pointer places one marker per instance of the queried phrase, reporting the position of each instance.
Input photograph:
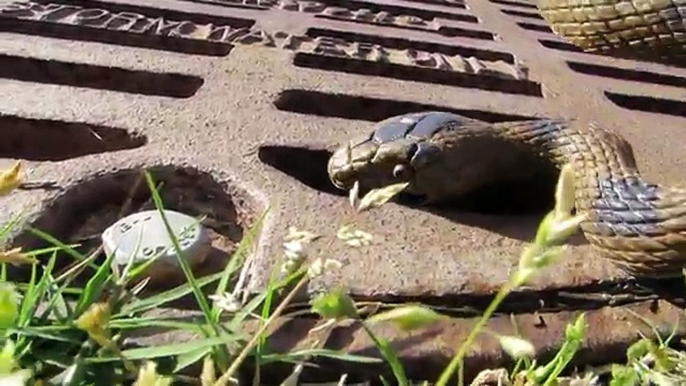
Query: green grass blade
(95, 286)
(157, 300)
(28, 303)
(237, 259)
(64, 247)
(133, 323)
(199, 296)
(48, 334)
(167, 350)
(222, 354)
(189, 358)
(304, 354)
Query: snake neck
(603, 162)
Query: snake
(639, 29)
(639, 226)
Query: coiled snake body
(648, 29)
(640, 226)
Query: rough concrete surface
(245, 98)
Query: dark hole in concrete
(415, 73)
(397, 10)
(98, 77)
(83, 212)
(529, 15)
(111, 36)
(405, 44)
(369, 108)
(36, 139)
(648, 104)
(627, 74)
(520, 4)
(535, 27)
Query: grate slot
(535, 27)
(558, 45)
(68, 6)
(397, 10)
(449, 31)
(371, 109)
(35, 139)
(122, 38)
(648, 104)
(529, 15)
(626, 74)
(98, 77)
(418, 74)
(445, 3)
(405, 44)
(512, 3)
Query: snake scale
(647, 29)
(639, 226)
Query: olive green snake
(639, 226)
(639, 29)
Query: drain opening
(648, 104)
(98, 77)
(529, 15)
(122, 38)
(418, 74)
(535, 27)
(397, 10)
(83, 212)
(405, 44)
(35, 139)
(512, 3)
(371, 109)
(627, 74)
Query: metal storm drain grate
(237, 105)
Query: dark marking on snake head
(433, 122)
(391, 132)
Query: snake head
(388, 155)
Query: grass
(53, 332)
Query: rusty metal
(239, 103)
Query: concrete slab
(241, 100)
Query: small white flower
(226, 301)
(517, 347)
(302, 236)
(331, 265)
(320, 266)
(354, 237)
(294, 250)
